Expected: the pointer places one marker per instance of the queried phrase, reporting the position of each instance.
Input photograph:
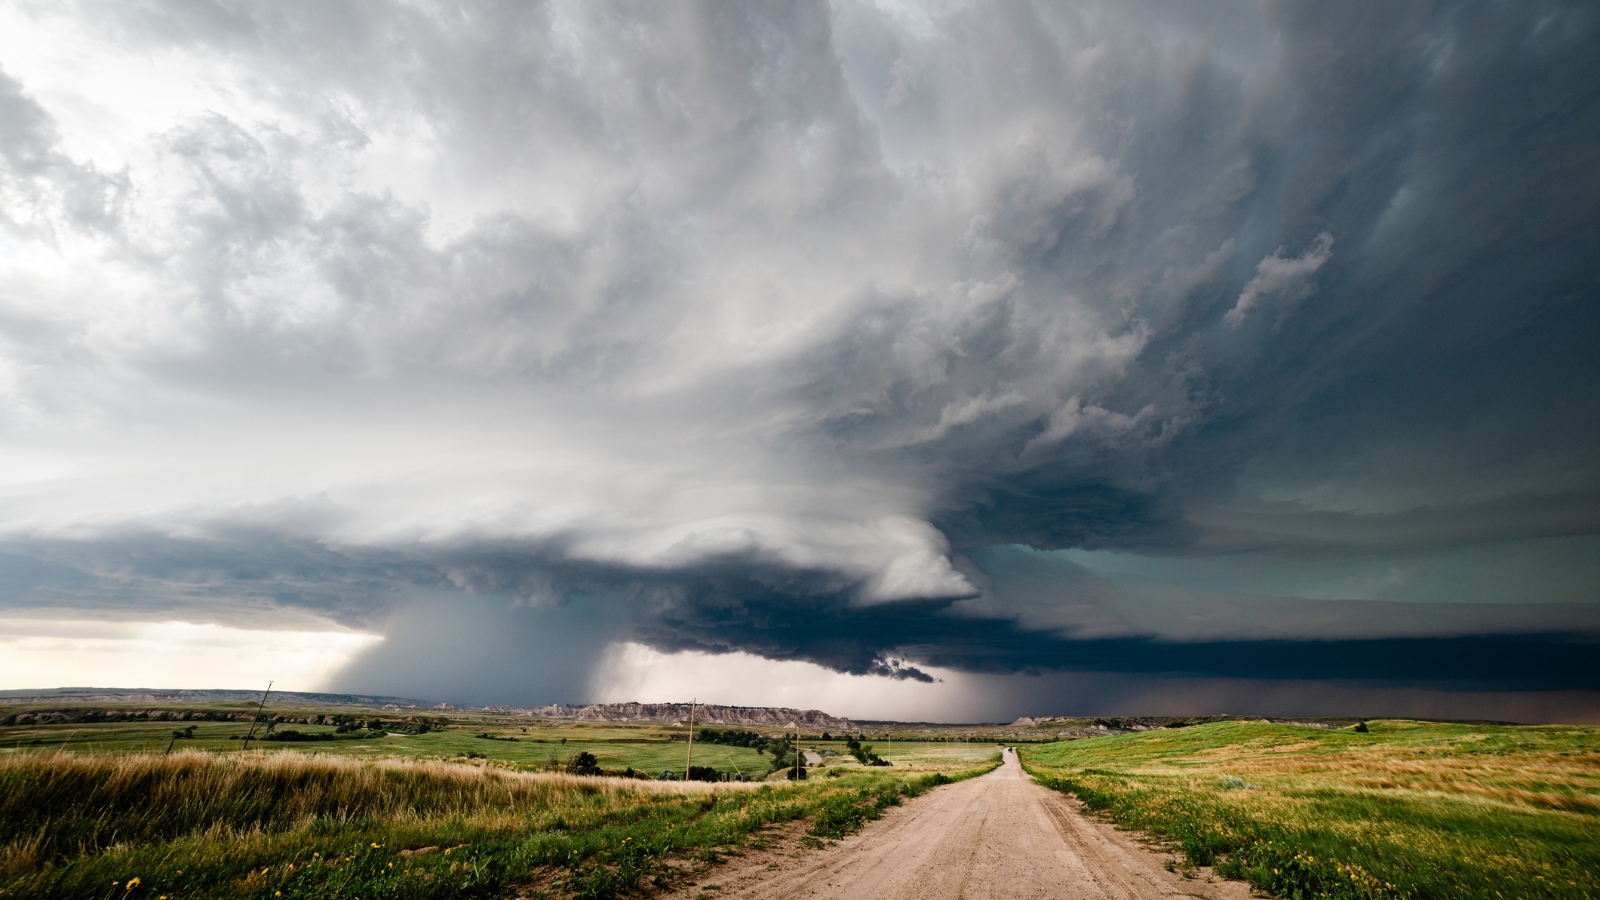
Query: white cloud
(634, 672)
(558, 307)
(48, 653)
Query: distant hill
(706, 714)
(150, 695)
(1093, 726)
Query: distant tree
(781, 760)
(583, 763)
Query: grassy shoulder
(276, 825)
(1403, 810)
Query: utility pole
(688, 766)
(263, 705)
(797, 750)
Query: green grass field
(100, 809)
(522, 744)
(1407, 810)
(646, 748)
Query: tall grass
(56, 805)
(285, 825)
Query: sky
(933, 361)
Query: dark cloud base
(867, 641)
(523, 622)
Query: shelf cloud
(1252, 341)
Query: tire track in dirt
(998, 837)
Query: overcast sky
(918, 360)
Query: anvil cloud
(1247, 341)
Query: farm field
(1404, 809)
(646, 747)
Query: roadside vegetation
(119, 816)
(1384, 809)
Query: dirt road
(999, 836)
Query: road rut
(999, 836)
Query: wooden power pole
(251, 733)
(688, 765)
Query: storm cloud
(1250, 341)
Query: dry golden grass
(1425, 809)
(1550, 779)
(46, 799)
(341, 782)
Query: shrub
(583, 763)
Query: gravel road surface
(998, 836)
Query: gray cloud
(770, 329)
(1281, 278)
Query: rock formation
(704, 714)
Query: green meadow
(1401, 810)
(475, 806)
(528, 745)
(644, 748)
